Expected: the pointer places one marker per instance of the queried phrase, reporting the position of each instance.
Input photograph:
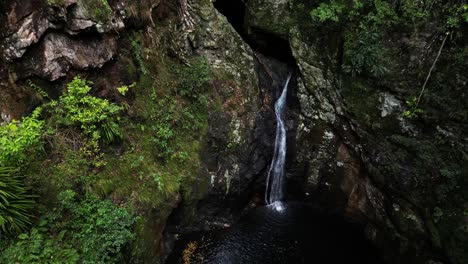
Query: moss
(99, 10)
(362, 102)
(155, 166)
(58, 3)
(428, 167)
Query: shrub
(328, 11)
(19, 139)
(365, 54)
(75, 231)
(81, 109)
(99, 229)
(193, 79)
(15, 202)
(37, 247)
(413, 110)
(173, 117)
(96, 117)
(362, 24)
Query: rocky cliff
(352, 150)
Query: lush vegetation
(365, 25)
(90, 230)
(96, 118)
(82, 170)
(19, 140)
(410, 51)
(15, 202)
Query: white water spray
(274, 188)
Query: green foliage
(365, 54)
(159, 156)
(415, 11)
(164, 136)
(100, 10)
(38, 89)
(96, 117)
(19, 140)
(173, 116)
(99, 229)
(362, 23)
(59, 3)
(37, 247)
(365, 26)
(457, 16)
(164, 130)
(328, 11)
(137, 176)
(192, 80)
(123, 90)
(413, 110)
(138, 52)
(15, 202)
(76, 231)
(78, 108)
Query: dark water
(296, 234)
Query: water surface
(293, 233)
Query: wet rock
(232, 61)
(348, 162)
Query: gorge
(158, 131)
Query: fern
(15, 202)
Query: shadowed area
(291, 233)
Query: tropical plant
(99, 229)
(97, 118)
(38, 247)
(76, 230)
(15, 202)
(19, 138)
(361, 23)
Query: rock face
(47, 39)
(58, 53)
(350, 149)
(241, 135)
(51, 41)
(346, 143)
(233, 64)
(27, 23)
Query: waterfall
(274, 184)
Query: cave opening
(234, 11)
(260, 41)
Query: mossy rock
(99, 10)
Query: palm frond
(15, 202)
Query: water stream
(282, 232)
(274, 184)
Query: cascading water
(284, 232)
(274, 188)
